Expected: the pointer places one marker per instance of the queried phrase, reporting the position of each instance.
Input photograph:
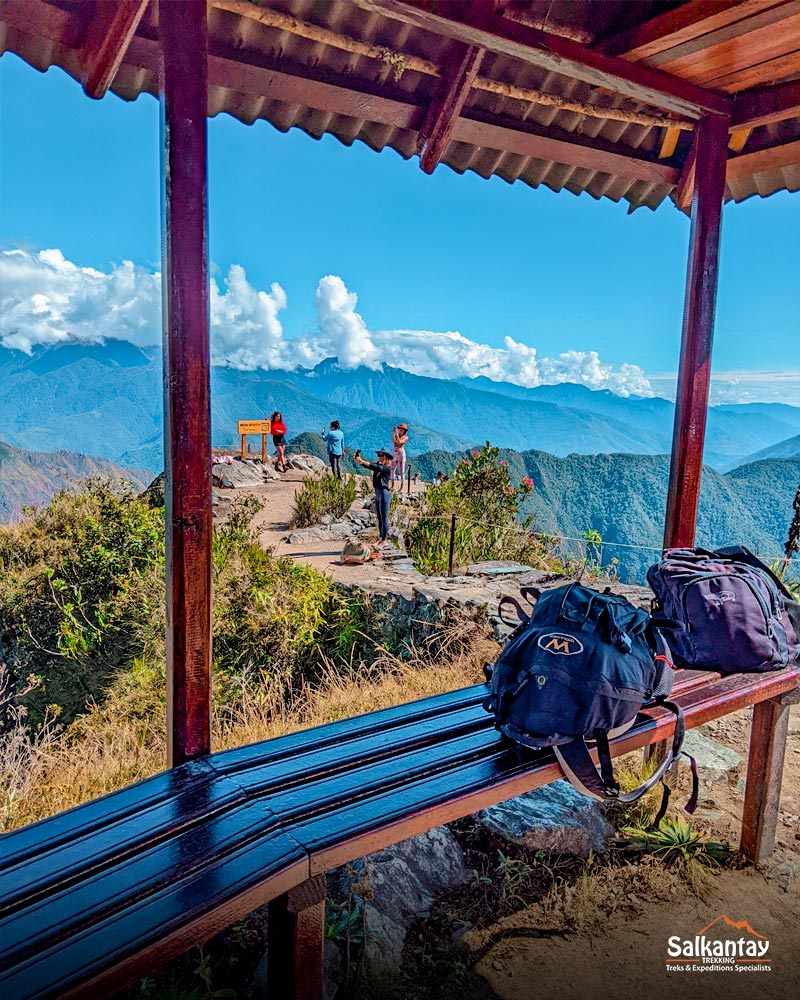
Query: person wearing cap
(399, 442)
(381, 471)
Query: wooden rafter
(228, 68)
(685, 189)
(681, 25)
(461, 68)
(108, 35)
(479, 25)
(763, 160)
(766, 105)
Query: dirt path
(273, 522)
(625, 957)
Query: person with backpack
(334, 439)
(278, 432)
(381, 475)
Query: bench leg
(762, 792)
(296, 939)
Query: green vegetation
(483, 497)
(323, 495)
(82, 589)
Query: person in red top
(278, 431)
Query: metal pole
(408, 477)
(187, 409)
(452, 545)
(691, 404)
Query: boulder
(401, 883)
(497, 567)
(238, 474)
(715, 762)
(321, 533)
(301, 462)
(555, 818)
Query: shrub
(323, 495)
(486, 503)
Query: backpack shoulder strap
(581, 772)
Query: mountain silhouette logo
(723, 945)
(739, 925)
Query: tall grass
(323, 495)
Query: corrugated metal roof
(51, 36)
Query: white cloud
(48, 300)
(741, 387)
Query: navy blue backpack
(579, 667)
(727, 611)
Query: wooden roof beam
(460, 69)
(766, 105)
(479, 24)
(681, 24)
(108, 35)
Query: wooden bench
(109, 891)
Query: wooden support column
(296, 941)
(187, 411)
(694, 371)
(762, 795)
(459, 72)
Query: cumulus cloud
(48, 300)
(344, 334)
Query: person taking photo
(381, 472)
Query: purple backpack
(729, 611)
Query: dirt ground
(624, 956)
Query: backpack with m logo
(578, 668)
(728, 611)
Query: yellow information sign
(254, 426)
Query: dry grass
(124, 740)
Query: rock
(338, 530)
(556, 819)
(403, 881)
(715, 762)
(301, 462)
(333, 969)
(783, 874)
(238, 474)
(497, 567)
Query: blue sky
(442, 253)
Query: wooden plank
(108, 35)
(681, 24)
(766, 105)
(476, 24)
(563, 147)
(694, 370)
(775, 39)
(187, 412)
(762, 791)
(773, 71)
(737, 140)
(668, 143)
(764, 160)
(460, 69)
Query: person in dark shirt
(381, 476)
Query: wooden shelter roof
(572, 94)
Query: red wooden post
(296, 941)
(187, 412)
(762, 793)
(683, 495)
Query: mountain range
(30, 477)
(106, 400)
(623, 497)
